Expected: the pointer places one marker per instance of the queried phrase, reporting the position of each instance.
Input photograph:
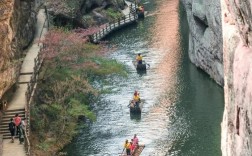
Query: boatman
(127, 147)
(139, 59)
(136, 98)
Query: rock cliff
(205, 36)
(82, 13)
(17, 25)
(237, 54)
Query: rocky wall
(17, 27)
(237, 54)
(205, 36)
(81, 13)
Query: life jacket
(139, 58)
(136, 98)
(127, 145)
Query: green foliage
(88, 20)
(113, 14)
(106, 67)
(65, 90)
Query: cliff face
(82, 13)
(17, 23)
(237, 40)
(205, 38)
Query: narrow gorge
(220, 44)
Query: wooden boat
(135, 116)
(140, 14)
(137, 151)
(135, 109)
(140, 67)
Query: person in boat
(141, 8)
(139, 59)
(127, 147)
(136, 98)
(132, 147)
(135, 140)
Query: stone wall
(17, 25)
(237, 53)
(205, 38)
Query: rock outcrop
(205, 36)
(17, 25)
(237, 49)
(81, 13)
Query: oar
(129, 103)
(122, 151)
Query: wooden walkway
(121, 22)
(20, 100)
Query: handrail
(116, 24)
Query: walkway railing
(120, 22)
(31, 86)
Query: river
(183, 106)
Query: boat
(140, 14)
(140, 67)
(137, 151)
(135, 109)
(135, 116)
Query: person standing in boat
(139, 59)
(135, 141)
(127, 147)
(136, 98)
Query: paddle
(129, 103)
(122, 151)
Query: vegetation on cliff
(65, 92)
(84, 13)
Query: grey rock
(205, 38)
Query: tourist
(139, 59)
(127, 147)
(17, 121)
(23, 126)
(12, 129)
(135, 140)
(132, 147)
(21, 135)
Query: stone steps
(4, 125)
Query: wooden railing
(31, 85)
(109, 27)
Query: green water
(183, 106)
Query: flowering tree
(65, 92)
